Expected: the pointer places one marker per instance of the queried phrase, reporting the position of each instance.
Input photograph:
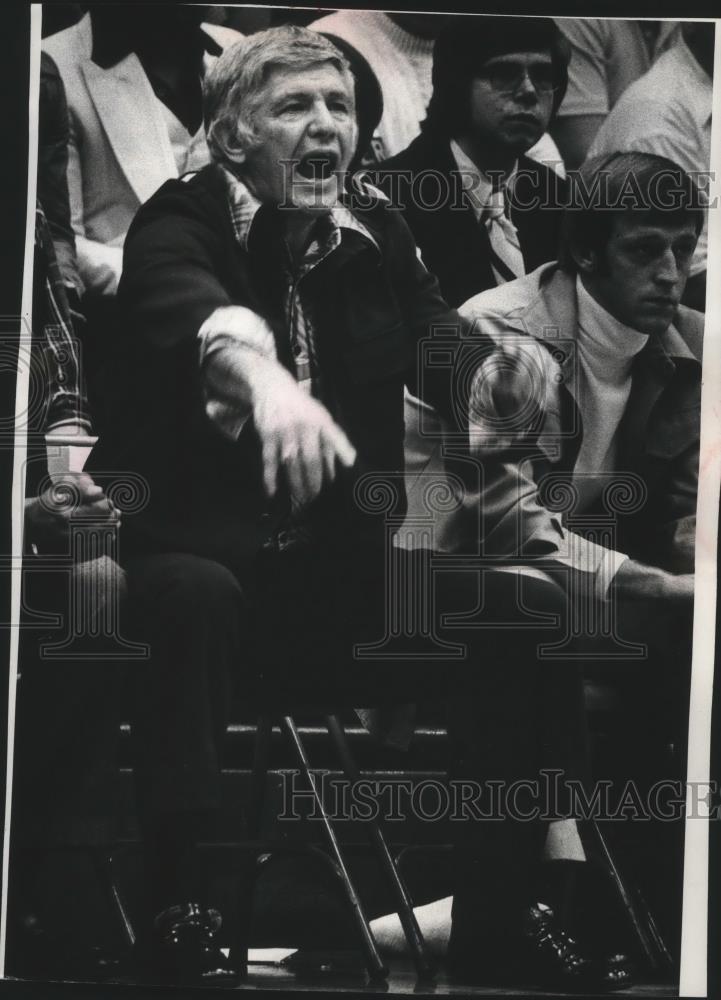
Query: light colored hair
(232, 87)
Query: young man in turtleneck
(595, 380)
(591, 401)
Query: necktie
(506, 256)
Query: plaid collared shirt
(327, 236)
(67, 404)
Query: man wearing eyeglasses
(481, 211)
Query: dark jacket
(371, 308)
(453, 244)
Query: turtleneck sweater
(605, 356)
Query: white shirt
(480, 192)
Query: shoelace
(556, 940)
(176, 919)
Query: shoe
(183, 949)
(554, 957)
(577, 895)
(614, 972)
(541, 955)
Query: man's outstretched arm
(243, 379)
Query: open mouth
(318, 166)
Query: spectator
(668, 112)
(399, 49)
(594, 386)
(132, 79)
(602, 359)
(66, 721)
(606, 57)
(497, 82)
(473, 232)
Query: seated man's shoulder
(394, 176)
(519, 366)
(538, 186)
(500, 313)
(373, 206)
(690, 324)
(71, 46)
(197, 200)
(504, 302)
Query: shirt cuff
(595, 561)
(225, 338)
(610, 566)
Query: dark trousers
(65, 775)
(67, 717)
(293, 629)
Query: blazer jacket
(119, 152)
(372, 305)
(453, 244)
(526, 501)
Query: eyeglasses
(507, 78)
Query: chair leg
(640, 917)
(374, 963)
(104, 862)
(399, 892)
(258, 784)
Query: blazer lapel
(552, 318)
(652, 371)
(133, 123)
(462, 240)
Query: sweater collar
(610, 343)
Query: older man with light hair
(275, 309)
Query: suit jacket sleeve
(175, 301)
(510, 399)
(170, 283)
